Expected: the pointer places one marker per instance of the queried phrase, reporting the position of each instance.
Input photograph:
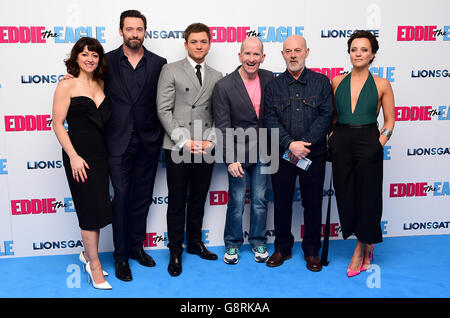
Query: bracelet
(386, 132)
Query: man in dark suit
(184, 108)
(134, 139)
(238, 103)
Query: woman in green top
(356, 147)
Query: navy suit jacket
(126, 115)
(233, 108)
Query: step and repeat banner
(37, 215)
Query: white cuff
(182, 144)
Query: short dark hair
(93, 45)
(132, 14)
(197, 28)
(364, 34)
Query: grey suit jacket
(233, 108)
(184, 107)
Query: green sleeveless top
(366, 106)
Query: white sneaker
(261, 255)
(231, 256)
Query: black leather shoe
(123, 271)
(200, 250)
(174, 268)
(143, 258)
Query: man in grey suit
(238, 104)
(184, 108)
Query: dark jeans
(132, 176)
(311, 190)
(188, 185)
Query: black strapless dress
(87, 133)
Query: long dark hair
(93, 45)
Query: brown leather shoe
(277, 259)
(313, 263)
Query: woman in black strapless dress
(81, 101)
(91, 197)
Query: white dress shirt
(202, 68)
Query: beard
(294, 68)
(133, 44)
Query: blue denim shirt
(301, 109)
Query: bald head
(252, 40)
(295, 40)
(295, 53)
(251, 56)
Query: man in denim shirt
(299, 104)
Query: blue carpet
(405, 267)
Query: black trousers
(188, 186)
(311, 190)
(357, 160)
(132, 176)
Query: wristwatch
(386, 132)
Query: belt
(372, 125)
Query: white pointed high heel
(83, 260)
(105, 285)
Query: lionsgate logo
(439, 151)
(250, 145)
(51, 245)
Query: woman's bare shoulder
(382, 83)
(337, 80)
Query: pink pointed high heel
(351, 272)
(365, 267)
